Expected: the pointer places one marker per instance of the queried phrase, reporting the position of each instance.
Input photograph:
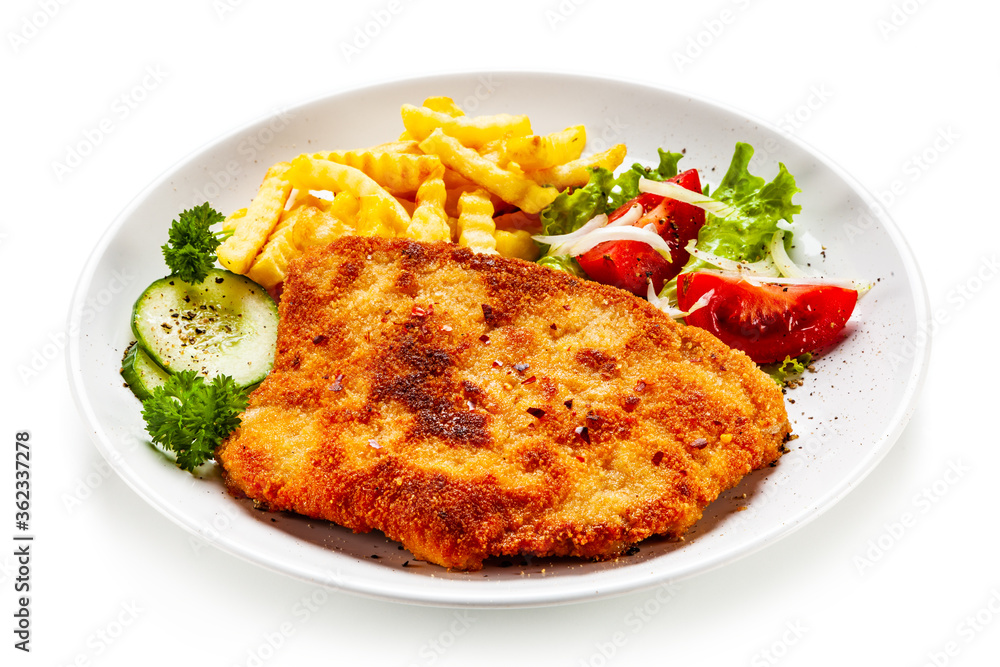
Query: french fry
(576, 173)
(475, 222)
(444, 105)
(471, 131)
(252, 231)
(345, 206)
(407, 147)
(545, 151)
(316, 227)
(512, 188)
(398, 173)
(375, 216)
(429, 221)
(517, 243)
(307, 172)
(233, 219)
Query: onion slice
(763, 267)
(682, 194)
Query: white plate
(847, 415)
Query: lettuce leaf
(628, 183)
(759, 205)
(564, 263)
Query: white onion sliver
(786, 266)
(598, 236)
(559, 240)
(629, 218)
(764, 267)
(860, 287)
(682, 194)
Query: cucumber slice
(141, 373)
(225, 325)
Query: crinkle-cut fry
(576, 173)
(471, 131)
(517, 243)
(251, 232)
(512, 188)
(405, 146)
(494, 151)
(233, 219)
(316, 174)
(444, 105)
(398, 173)
(429, 221)
(475, 222)
(271, 265)
(345, 206)
(545, 151)
(374, 217)
(314, 226)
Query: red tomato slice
(630, 264)
(768, 322)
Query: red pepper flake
(630, 403)
(319, 339)
(657, 458)
(583, 432)
(552, 326)
(487, 312)
(336, 386)
(566, 307)
(418, 311)
(530, 380)
(497, 364)
(594, 420)
(520, 368)
(485, 339)
(568, 404)
(640, 386)
(537, 413)
(580, 458)
(700, 443)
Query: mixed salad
(716, 258)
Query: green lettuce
(757, 206)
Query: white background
(901, 94)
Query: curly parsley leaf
(190, 417)
(788, 369)
(190, 251)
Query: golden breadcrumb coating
(471, 405)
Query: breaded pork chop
(469, 405)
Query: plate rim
(499, 597)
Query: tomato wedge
(630, 264)
(768, 322)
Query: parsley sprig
(190, 252)
(190, 417)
